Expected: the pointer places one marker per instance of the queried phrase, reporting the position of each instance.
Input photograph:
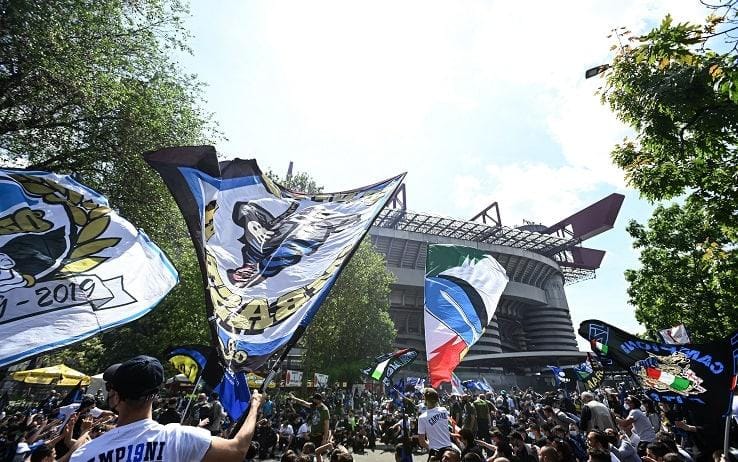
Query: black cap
(138, 377)
(318, 396)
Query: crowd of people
(136, 422)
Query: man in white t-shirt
(433, 429)
(132, 387)
(641, 424)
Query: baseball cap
(318, 396)
(138, 377)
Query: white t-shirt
(641, 425)
(286, 430)
(433, 423)
(147, 440)
(303, 431)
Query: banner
(293, 379)
(699, 377)
(320, 380)
(385, 366)
(590, 373)
(268, 255)
(462, 288)
(70, 267)
(676, 335)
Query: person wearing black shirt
(170, 414)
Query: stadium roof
(552, 246)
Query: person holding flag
(132, 387)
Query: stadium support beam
(491, 213)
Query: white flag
(676, 335)
(70, 267)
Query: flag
(73, 396)
(559, 375)
(590, 372)
(196, 361)
(456, 386)
(70, 267)
(473, 385)
(487, 385)
(697, 376)
(385, 366)
(462, 288)
(268, 255)
(676, 335)
(234, 393)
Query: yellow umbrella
(59, 375)
(255, 381)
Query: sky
(479, 101)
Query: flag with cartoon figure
(462, 288)
(70, 267)
(268, 255)
(699, 377)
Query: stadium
(532, 326)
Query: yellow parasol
(255, 381)
(59, 375)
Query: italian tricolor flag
(674, 382)
(601, 347)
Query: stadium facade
(532, 326)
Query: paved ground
(375, 456)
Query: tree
(354, 323)
(677, 87)
(685, 275)
(85, 88)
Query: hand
(204, 422)
(256, 398)
(681, 424)
(86, 423)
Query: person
(655, 452)
(43, 453)
(449, 455)
(267, 439)
(483, 416)
(433, 429)
(286, 435)
(319, 419)
(170, 414)
(86, 406)
(469, 419)
(468, 444)
(621, 446)
(595, 415)
(217, 414)
(596, 440)
(549, 454)
(641, 424)
(521, 451)
(268, 408)
(132, 387)
(197, 414)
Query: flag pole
(267, 380)
(189, 401)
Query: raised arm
(235, 449)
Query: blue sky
(477, 101)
